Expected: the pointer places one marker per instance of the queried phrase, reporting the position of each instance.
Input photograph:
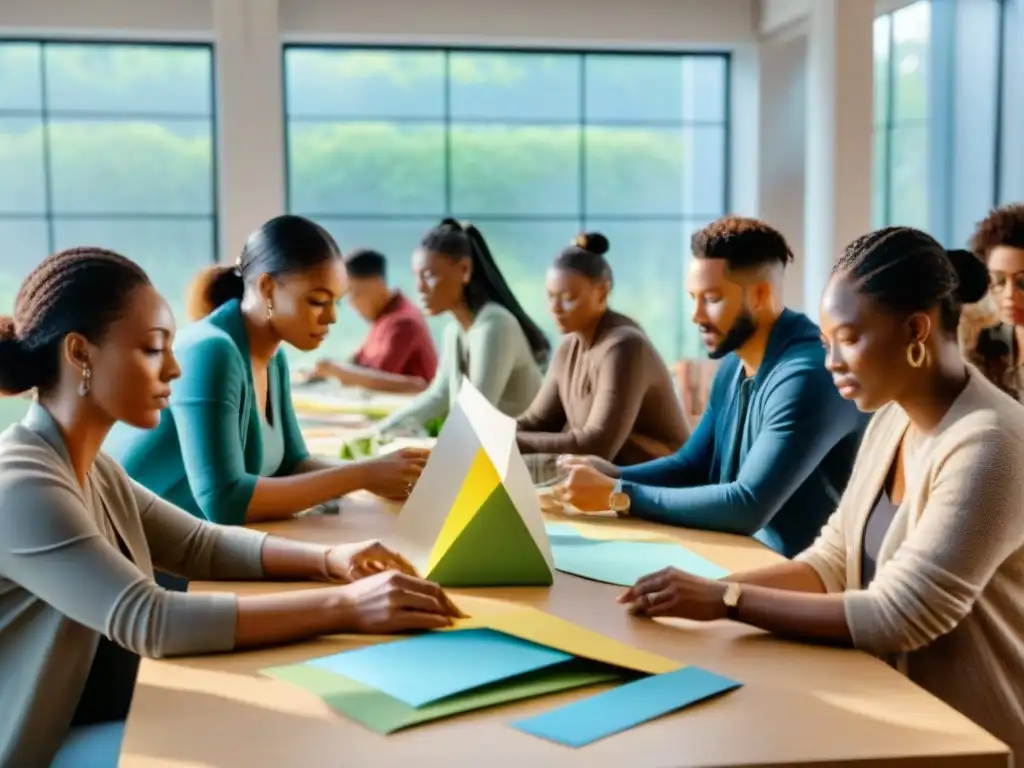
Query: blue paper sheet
(562, 530)
(623, 562)
(626, 706)
(431, 667)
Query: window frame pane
(476, 193)
(194, 210)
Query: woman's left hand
(671, 592)
(351, 562)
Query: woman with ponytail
(492, 341)
(229, 449)
(608, 393)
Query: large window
(532, 147)
(900, 194)
(108, 145)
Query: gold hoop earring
(916, 354)
(85, 385)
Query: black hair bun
(593, 242)
(450, 223)
(16, 369)
(973, 274)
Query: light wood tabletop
(799, 704)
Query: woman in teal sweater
(493, 341)
(229, 449)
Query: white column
(782, 156)
(1012, 186)
(250, 117)
(837, 192)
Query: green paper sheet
(382, 714)
(495, 549)
(624, 562)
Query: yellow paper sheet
(479, 483)
(545, 629)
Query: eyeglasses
(999, 280)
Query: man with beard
(773, 451)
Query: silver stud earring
(86, 383)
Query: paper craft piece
(473, 519)
(561, 529)
(425, 669)
(551, 631)
(625, 706)
(623, 562)
(383, 714)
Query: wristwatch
(731, 598)
(618, 502)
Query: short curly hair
(1003, 226)
(743, 242)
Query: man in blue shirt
(774, 449)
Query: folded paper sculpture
(473, 519)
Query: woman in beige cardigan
(923, 562)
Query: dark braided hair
(586, 256)
(81, 290)
(282, 245)
(486, 283)
(906, 270)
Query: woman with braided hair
(493, 341)
(921, 563)
(79, 539)
(229, 448)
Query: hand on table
(393, 475)
(567, 461)
(351, 562)
(326, 369)
(585, 488)
(395, 602)
(671, 592)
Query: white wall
(641, 23)
(133, 19)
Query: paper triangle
(478, 485)
(494, 550)
(496, 432)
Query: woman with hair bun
(492, 341)
(608, 393)
(79, 539)
(229, 449)
(921, 562)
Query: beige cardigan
(946, 606)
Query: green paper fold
(383, 714)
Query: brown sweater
(611, 398)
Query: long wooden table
(799, 705)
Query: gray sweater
(64, 581)
(494, 354)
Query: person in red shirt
(398, 354)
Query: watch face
(732, 594)
(619, 502)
